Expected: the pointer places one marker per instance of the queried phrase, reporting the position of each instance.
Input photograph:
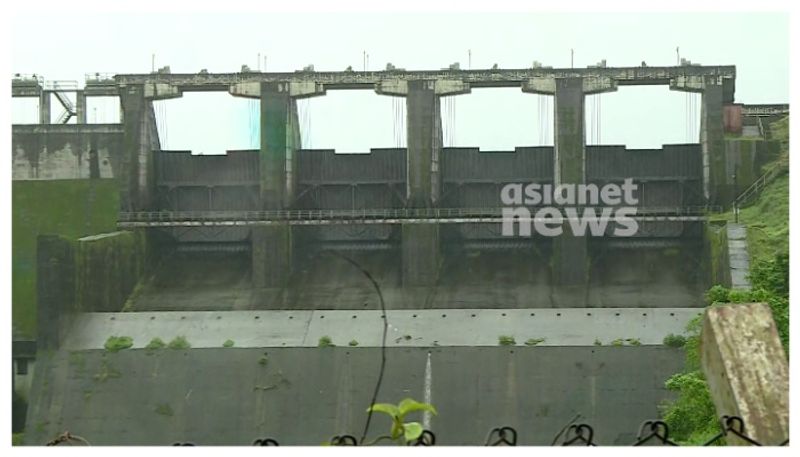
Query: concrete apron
(407, 328)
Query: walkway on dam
(738, 256)
(407, 328)
(380, 216)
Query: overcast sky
(63, 47)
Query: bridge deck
(641, 75)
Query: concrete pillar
(80, 107)
(747, 370)
(424, 141)
(44, 107)
(712, 142)
(55, 287)
(134, 195)
(420, 242)
(280, 139)
(716, 92)
(271, 250)
(271, 255)
(570, 263)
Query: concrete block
(747, 370)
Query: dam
(255, 257)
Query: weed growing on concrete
(325, 342)
(155, 344)
(618, 342)
(534, 341)
(118, 343)
(228, 344)
(263, 360)
(353, 343)
(597, 342)
(179, 342)
(402, 431)
(674, 341)
(633, 341)
(506, 340)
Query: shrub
(118, 343)
(325, 342)
(179, 342)
(155, 343)
(506, 340)
(674, 341)
(716, 294)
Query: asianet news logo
(587, 208)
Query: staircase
(59, 89)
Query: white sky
(354, 121)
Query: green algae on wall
(107, 268)
(716, 241)
(70, 208)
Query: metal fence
(651, 433)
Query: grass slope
(71, 208)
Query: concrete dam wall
(594, 309)
(228, 396)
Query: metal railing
(758, 186)
(66, 86)
(380, 216)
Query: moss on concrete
(70, 208)
(108, 266)
(716, 240)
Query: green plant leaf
(387, 408)
(397, 429)
(412, 430)
(409, 405)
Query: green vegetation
(17, 439)
(618, 342)
(633, 341)
(164, 409)
(325, 342)
(691, 416)
(70, 208)
(505, 340)
(353, 343)
(228, 344)
(179, 342)
(263, 360)
(674, 341)
(402, 431)
(597, 342)
(155, 344)
(118, 343)
(767, 221)
(534, 341)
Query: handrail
(758, 185)
(373, 213)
